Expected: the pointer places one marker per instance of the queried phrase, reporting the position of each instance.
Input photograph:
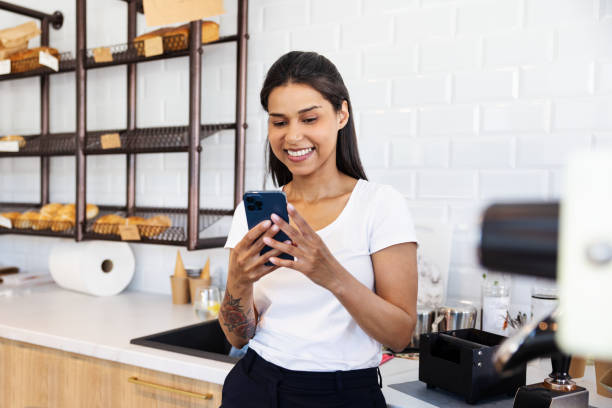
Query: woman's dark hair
(315, 70)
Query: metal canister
(455, 316)
(425, 318)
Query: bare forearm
(380, 319)
(237, 316)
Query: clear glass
(495, 307)
(543, 301)
(207, 302)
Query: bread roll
(17, 138)
(42, 222)
(91, 211)
(62, 222)
(156, 225)
(67, 209)
(24, 220)
(108, 224)
(51, 209)
(134, 220)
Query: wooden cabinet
(40, 377)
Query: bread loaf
(177, 38)
(27, 60)
(15, 138)
(7, 52)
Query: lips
(297, 155)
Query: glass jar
(495, 307)
(543, 301)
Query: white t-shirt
(302, 325)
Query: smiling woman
(315, 324)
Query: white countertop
(102, 327)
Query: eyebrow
(300, 111)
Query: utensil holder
(180, 290)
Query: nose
(294, 133)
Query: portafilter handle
(536, 339)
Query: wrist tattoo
(236, 319)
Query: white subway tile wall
(457, 103)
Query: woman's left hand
(312, 257)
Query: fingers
(286, 228)
(304, 227)
(253, 234)
(280, 262)
(281, 246)
(258, 245)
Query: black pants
(257, 383)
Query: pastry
(17, 138)
(108, 224)
(91, 211)
(25, 220)
(51, 209)
(62, 222)
(42, 222)
(156, 225)
(67, 209)
(27, 60)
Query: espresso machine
(570, 241)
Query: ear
(343, 115)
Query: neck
(316, 187)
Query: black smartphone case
(259, 206)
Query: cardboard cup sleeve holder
(180, 290)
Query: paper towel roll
(97, 267)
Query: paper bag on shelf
(14, 36)
(161, 12)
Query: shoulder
(380, 192)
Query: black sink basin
(201, 340)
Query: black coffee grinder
(523, 239)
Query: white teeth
(296, 153)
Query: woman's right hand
(246, 265)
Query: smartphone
(259, 206)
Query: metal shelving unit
(187, 223)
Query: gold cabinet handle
(135, 380)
